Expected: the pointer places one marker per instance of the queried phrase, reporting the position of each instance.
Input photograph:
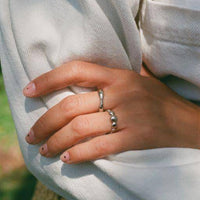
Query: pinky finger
(98, 147)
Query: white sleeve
(37, 36)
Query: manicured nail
(65, 157)
(43, 149)
(30, 138)
(29, 89)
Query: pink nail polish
(43, 149)
(65, 157)
(29, 89)
(30, 138)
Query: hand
(150, 115)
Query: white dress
(36, 36)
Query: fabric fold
(37, 36)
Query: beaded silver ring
(113, 119)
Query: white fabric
(170, 43)
(37, 36)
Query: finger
(72, 73)
(98, 147)
(80, 128)
(63, 112)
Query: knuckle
(140, 90)
(101, 146)
(47, 82)
(129, 74)
(42, 82)
(78, 153)
(74, 62)
(54, 144)
(46, 78)
(80, 125)
(76, 68)
(39, 126)
(70, 103)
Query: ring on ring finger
(113, 119)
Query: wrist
(185, 123)
(191, 125)
(198, 126)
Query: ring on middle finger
(101, 96)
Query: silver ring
(101, 96)
(113, 119)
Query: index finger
(72, 73)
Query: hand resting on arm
(150, 115)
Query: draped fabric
(37, 36)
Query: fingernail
(30, 138)
(65, 157)
(29, 89)
(43, 149)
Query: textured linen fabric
(170, 37)
(36, 36)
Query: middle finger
(63, 112)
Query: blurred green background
(16, 183)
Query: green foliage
(7, 128)
(18, 183)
